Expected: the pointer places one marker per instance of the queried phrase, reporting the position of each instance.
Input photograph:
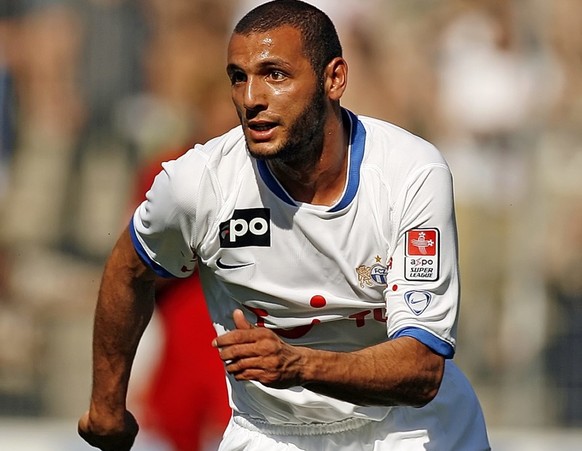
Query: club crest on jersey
(368, 276)
(422, 255)
(417, 301)
(248, 227)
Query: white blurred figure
(485, 95)
(492, 91)
(485, 88)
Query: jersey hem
(265, 427)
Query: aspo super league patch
(422, 255)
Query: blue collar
(356, 150)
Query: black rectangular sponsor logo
(248, 227)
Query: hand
(258, 354)
(113, 437)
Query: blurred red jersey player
(184, 405)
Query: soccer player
(326, 246)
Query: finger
(247, 363)
(257, 374)
(251, 374)
(235, 337)
(117, 441)
(238, 351)
(83, 425)
(240, 321)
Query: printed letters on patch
(422, 255)
(249, 227)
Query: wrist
(107, 407)
(311, 366)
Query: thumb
(240, 321)
(83, 424)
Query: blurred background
(94, 93)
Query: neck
(322, 180)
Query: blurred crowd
(94, 91)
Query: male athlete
(326, 246)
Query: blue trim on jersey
(436, 344)
(144, 256)
(357, 143)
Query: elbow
(428, 390)
(415, 395)
(423, 398)
(417, 392)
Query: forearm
(124, 308)
(402, 371)
(398, 372)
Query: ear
(336, 78)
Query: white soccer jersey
(380, 263)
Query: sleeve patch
(421, 262)
(417, 301)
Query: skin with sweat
(291, 117)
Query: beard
(304, 144)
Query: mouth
(261, 130)
(261, 126)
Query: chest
(260, 244)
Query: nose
(254, 94)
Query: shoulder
(228, 146)
(225, 153)
(398, 159)
(397, 146)
(398, 155)
(217, 159)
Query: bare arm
(124, 308)
(398, 372)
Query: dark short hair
(321, 43)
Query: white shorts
(453, 421)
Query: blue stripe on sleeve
(439, 346)
(144, 256)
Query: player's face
(279, 99)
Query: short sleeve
(422, 294)
(163, 226)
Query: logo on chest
(375, 275)
(248, 227)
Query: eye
(277, 75)
(237, 77)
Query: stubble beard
(304, 145)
